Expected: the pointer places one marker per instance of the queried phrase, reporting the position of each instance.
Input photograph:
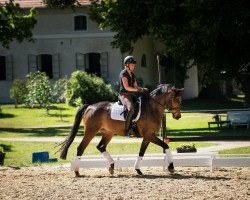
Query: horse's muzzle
(176, 115)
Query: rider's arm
(127, 87)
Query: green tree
(212, 33)
(61, 3)
(15, 23)
(39, 90)
(18, 91)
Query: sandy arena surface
(58, 182)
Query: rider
(128, 88)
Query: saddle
(119, 112)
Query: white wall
(191, 89)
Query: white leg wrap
(169, 156)
(137, 162)
(75, 164)
(108, 157)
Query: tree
(61, 3)
(212, 33)
(39, 90)
(15, 23)
(18, 91)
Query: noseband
(170, 105)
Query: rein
(168, 107)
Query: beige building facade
(66, 41)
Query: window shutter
(80, 61)
(104, 65)
(32, 63)
(56, 66)
(9, 68)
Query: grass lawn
(60, 114)
(19, 154)
(240, 150)
(24, 122)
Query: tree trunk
(243, 81)
(246, 91)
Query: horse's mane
(161, 89)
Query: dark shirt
(131, 80)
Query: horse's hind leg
(102, 148)
(88, 136)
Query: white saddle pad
(117, 112)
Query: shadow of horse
(176, 176)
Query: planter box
(186, 150)
(2, 156)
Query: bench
(239, 118)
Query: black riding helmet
(129, 60)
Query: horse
(97, 118)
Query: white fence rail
(211, 160)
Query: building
(66, 41)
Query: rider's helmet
(129, 60)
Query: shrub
(1, 150)
(89, 87)
(39, 90)
(18, 91)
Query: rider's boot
(128, 123)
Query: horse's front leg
(168, 155)
(143, 148)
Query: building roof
(38, 3)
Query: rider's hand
(145, 89)
(142, 90)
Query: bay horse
(96, 118)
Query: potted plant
(2, 155)
(186, 149)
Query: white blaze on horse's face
(176, 105)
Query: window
(143, 61)
(80, 23)
(44, 64)
(48, 63)
(2, 68)
(94, 63)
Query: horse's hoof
(139, 172)
(112, 169)
(77, 173)
(171, 168)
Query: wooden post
(164, 129)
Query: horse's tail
(67, 142)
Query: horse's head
(168, 97)
(174, 104)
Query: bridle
(169, 106)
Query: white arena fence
(212, 160)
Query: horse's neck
(155, 106)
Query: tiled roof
(38, 3)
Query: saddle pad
(116, 112)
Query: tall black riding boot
(128, 123)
